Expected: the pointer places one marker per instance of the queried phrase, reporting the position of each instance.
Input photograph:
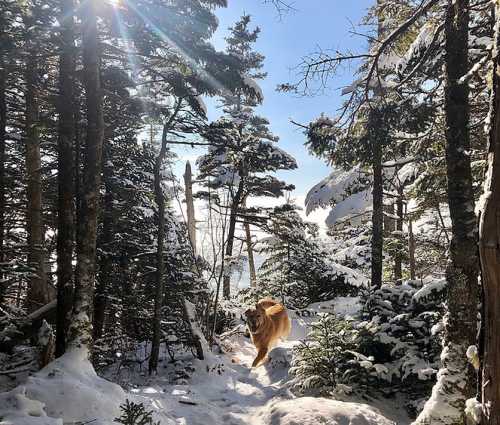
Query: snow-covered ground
(222, 389)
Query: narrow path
(231, 394)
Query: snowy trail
(238, 395)
(233, 397)
(222, 389)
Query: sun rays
(149, 22)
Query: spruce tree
(243, 147)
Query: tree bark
(411, 250)
(398, 260)
(191, 220)
(226, 285)
(489, 248)
(251, 260)
(376, 124)
(3, 134)
(377, 242)
(66, 187)
(103, 283)
(160, 266)
(456, 381)
(38, 290)
(80, 328)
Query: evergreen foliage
(135, 414)
(391, 347)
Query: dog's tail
(275, 309)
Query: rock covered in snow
(312, 411)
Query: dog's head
(255, 318)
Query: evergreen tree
(243, 147)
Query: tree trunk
(489, 248)
(3, 134)
(160, 266)
(233, 214)
(80, 328)
(398, 260)
(191, 221)
(38, 291)
(251, 261)
(103, 283)
(377, 125)
(411, 250)
(456, 379)
(389, 222)
(377, 216)
(159, 288)
(66, 209)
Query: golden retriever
(267, 323)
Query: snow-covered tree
(243, 151)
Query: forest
(158, 262)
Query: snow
(433, 287)
(354, 205)
(312, 411)
(419, 45)
(252, 84)
(49, 396)
(473, 411)
(17, 409)
(333, 189)
(445, 406)
(222, 389)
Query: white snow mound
(70, 389)
(313, 411)
(17, 409)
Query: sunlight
(204, 74)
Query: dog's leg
(260, 356)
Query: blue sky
(323, 23)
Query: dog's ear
(259, 307)
(247, 312)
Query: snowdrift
(68, 390)
(312, 411)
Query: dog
(267, 323)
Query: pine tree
(243, 147)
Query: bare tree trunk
(377, 242)
(38, 291)
(489, 248)
(456, 379)
(66, 208)
(103, 283)
(80, 328)
(251, 261)
(398, 260)
(226, 285)
(389, 222)
(377, 216)
(191, 220)
(160, 266)
(411, 250)
(159, 288)
(3, 129)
